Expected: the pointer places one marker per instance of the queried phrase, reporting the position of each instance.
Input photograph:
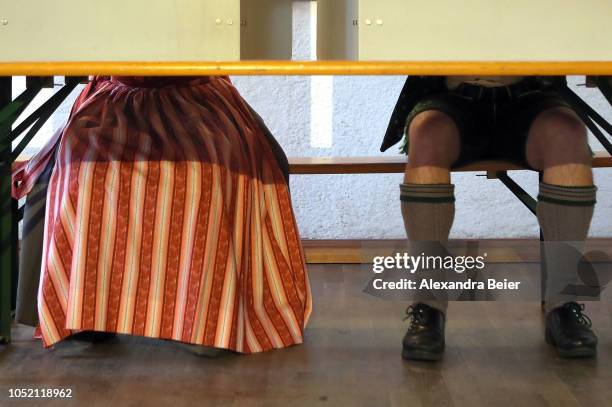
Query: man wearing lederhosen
(450, 121)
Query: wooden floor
(495, 356)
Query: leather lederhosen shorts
(493, 122)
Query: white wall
(307, 122)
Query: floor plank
(495, 356)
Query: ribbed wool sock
(428, 211)
(564, 214)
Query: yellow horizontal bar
(595, 68)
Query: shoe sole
(576, 353)
(421, 355)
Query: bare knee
(433, 140)
(557, 137)
(560, 121)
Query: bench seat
(397, 164)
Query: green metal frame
(7, 258)
(10, 110)
(531, 204)
(604, 83)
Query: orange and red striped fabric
(168, 217)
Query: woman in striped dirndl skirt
(168, 216)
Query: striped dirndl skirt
(168, 216)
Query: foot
(569, 331)
(425, 337)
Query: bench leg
(531, 204)
(6, 224)
(543, 268)
(517, 191)
(605, 86)
(7, 252)
(543, 271)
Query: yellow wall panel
(142, 30)
(477, 30)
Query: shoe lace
(577, 311)
(416, 316)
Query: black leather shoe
(569, 331)
(425, 337)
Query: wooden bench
(388, 165)
(397, 164)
